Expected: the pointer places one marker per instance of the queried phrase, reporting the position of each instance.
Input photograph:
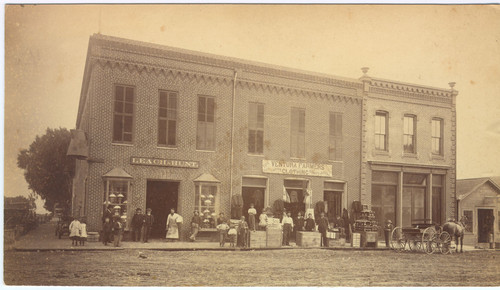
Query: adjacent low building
(479, 209)
(163, 128)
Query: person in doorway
(323, 228)
(243, 233)
(287, 224)
(147, 223)
(137, 222)
(172, 227)
(195, 226)
(252, 212)
(83, 231)
(263, 220)
(310, 224)
(117, 230)
(74, 231)
(107, 229)
(222, 228)
(299, 224)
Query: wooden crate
(92, 237)
(258, 239)
(308, 239)
(274, 238)
(336, 242)
(356, 240)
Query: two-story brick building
(171, 128)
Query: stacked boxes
(258, 239)
(274, 237)
(356, 240)
(309, 239)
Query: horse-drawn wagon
(421, 237)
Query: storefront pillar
(399, 210)
(428, 198)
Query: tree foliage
(47, 169)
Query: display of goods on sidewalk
(309, 239)
(258, 239)
(366, 222)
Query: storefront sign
(163, 162)
(296, 168)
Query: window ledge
(166, 148)
(208, 151)
(336, 161)
(437, 157)
(380, 152)
(255, 155)
(410, 155)
(297, 159)
(123, 144)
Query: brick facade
(150, 68)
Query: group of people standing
(78, 231)
(141, 225)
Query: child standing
(74, 232)
(107, 229)
(232, 235)
(243, 233)
(310, 224)
(223, 227)
(117, 231)
(83, 232)
(252, 212)
(263, 220)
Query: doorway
(255, 196)
(485, 222)
(161, 196)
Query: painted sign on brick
(296, 168)
(163, 162)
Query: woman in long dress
(172, 227)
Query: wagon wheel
(397, 239)
(418, 246)
(445, 242)
(429, 240)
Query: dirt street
(306, 267)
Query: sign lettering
(297, 168)
(163, 162)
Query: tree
(47, 169)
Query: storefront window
(384, 185)
(115, 197)
(437, 195)
(297, 195)
(207, 203)
(414, 199)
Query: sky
(46, 47)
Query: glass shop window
(116, 197)
(207, 203)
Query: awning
(206, 177)
(117, 172)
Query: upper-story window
(205, 137)
(256, 128)
(437, 136)
(298, 133)
(123, 114)
(381, 130)
(167, 118)
(409, 134)
(335, 138)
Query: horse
(457, 230)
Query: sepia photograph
(243, 145)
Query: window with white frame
(437, 136)
(207, 203)
(256, 128)
(409, 134)
(167, 118)
(381, 130)
(205, 137)
(123, 114)
(298, 133)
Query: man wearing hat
(148, 220)
(137, 222)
